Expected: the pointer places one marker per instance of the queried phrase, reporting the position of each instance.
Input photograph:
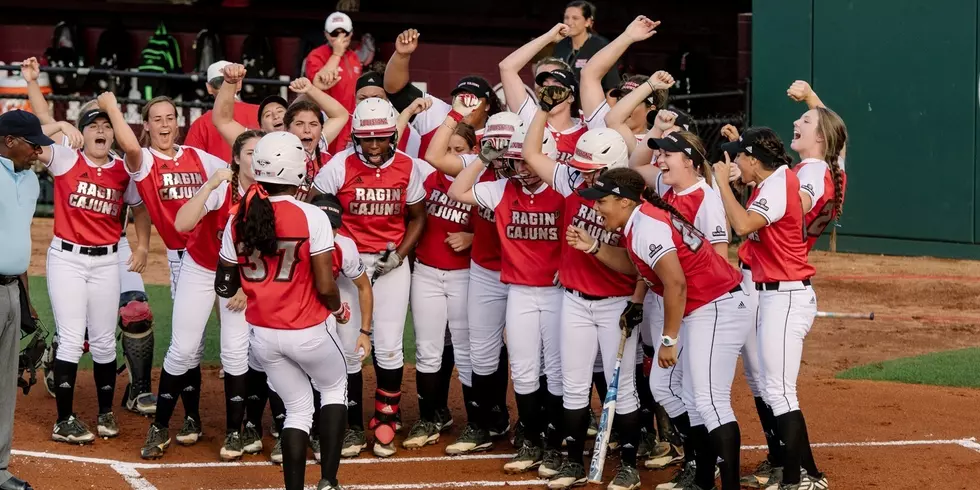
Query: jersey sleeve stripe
(318, 252)
(768, 221)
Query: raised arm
(437, 154)
(396, 73)
(417, 106)
(338, 46)
(741, 220)
(620, 112)
(337, 115)
(511, 66)
(190, 214)
(125, 138)
(223, 114)
(30, 71)
(590, 78)
(801, 91)
(461, 189)
(542, 165)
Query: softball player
(777, 250)
(91, 187)
(279, 251)
(381, 190)
(528, 215)
(486, 303)
(594, 298)
(674, 258)
(166, 176)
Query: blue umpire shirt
(18, 199)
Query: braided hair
(236, 155)
(773, 145)
(831, 127)
(631, 179)
(255, 220)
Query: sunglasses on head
(338, 32)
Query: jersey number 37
(256, 267)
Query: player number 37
(256, 267)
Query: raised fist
(465, 103)
(729, 132)
(30, 70)
(665, 119)
(301, 85)
(799, 91)
(233, 73)
(550, 96)
(661, 80)
(107, 101)
(407, 42)
(418, 106)
(559, 32)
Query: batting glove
(386, 265)
(631, 318)
(489, 153)
(552, 95)
(343, 314)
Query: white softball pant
(350, 331)
(84, 293)
(533, 325)
(714, 336)
(785, 318)
(486, 311)
(292, 358)
(391, 293)
(128, 280)
(193, 303)
(439, 297)
(174, 258)
(665, 384)
(588, 326)
(751, 362)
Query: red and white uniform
(82, 270)
(293, 334)
(440, 280)
(195, 296)
(716, 321)
(375, 201)
(204, 135)
(565, 140)
(594, 299)
(529, 226)
(165, 184)
(312, 168)
(817, 181)
(347, 266)
(427, 122)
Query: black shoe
(15, 484)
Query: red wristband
(455, 116)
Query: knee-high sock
(169, 389)
(726, 441)
(599, 381)
(428, 385)
(790, 428)
(484, 394)
(577, 425)
(646, 399)
(807, 461)
(235, 394)
(704, 456)
(278, 409)
(258, 393)
(529, 410)
(294, 442)
(498, 390)
(355, 397)
(554, 421)
(445, 376)
(191, 395)
(64, 378)
(768, 421)
(105, 384)
(331, 440)
(469, 403)
(629, 436)
(682, 428)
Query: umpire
(21, 140)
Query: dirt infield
(867, 434)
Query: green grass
(162, 307)
(950, 368)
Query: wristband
(594, 249)
(455, 116)
(365, 332)
(651, 85)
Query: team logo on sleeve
(761, 204)
(439, 205)
(591, 221)
(719, 232)
(526, 225)
(808, 188)
(176, 186)
(655, 249)
(95, 198)
(381, 201)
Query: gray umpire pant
(9, 355)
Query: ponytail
(236, 150)
(652, 198)
(255, 223)
(834, 132)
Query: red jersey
(344, 91)
(529, 225)
(566, 141)
(166, 183)
(485, 251)
(702, 206)
(581, 271)
(204, 240)
(279, 288)
(442, 217)
(374, 197)
(204, 135)
(781, 249)
(88, 198)
(817, 181)
(312, 168)
(652, 232)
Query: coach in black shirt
(582, 42)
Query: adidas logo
(253, 397)
(189, 388)
(358, 180)
(281, 417)
(627, 446)
(166, 396)
(813, 301)
(741, 305)
(351, 403)
(65, 385)
(84, 175)
(236, 399)
(106, 388)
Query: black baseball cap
(748, 143)
(23, 124)
(683, 120)
(676, 142)
(564, 77)
(628, 86)
(89, 117)
(272, 99)
(604, 186)
(475, 85)
(330, 204)
(370, 79)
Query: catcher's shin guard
(136, 323)
(386, 412)
(47, 364)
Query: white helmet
(600, 148)
(374, 118)
(500, 127)
(279, 158)
(516, 148)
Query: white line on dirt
(970, 444)
(448, 484)
(133, 477)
